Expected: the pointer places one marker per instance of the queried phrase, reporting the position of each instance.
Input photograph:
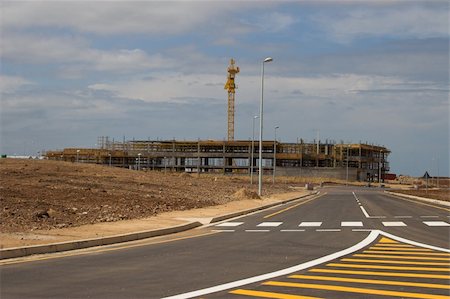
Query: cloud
(396, 20)
(75, 55)
(10, 84)
(115, 17)
(276, 21)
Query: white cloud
(10, 84)
(176, 87)
(75, 53)
(117, 17)
(418, 21)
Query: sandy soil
(203, 215)
(49, 201)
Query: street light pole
(346, 173)
(78, 152)
(109, 154)
(261, 106)
(379, 168)
(139, 161)
(274, 154)
(253, 149)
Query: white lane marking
(394, 223)
(292, 230)
(270, 224)
(364, 212)
(370, 238)
(400, 239)
(229, 224)
(310, 224)
(361, 230)
(257, 230)
(351, 223)
(223, 230)
(328, 230)
(403, 217)
(436, 223)
(429, 216)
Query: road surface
(344, 243)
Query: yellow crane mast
(231, 87)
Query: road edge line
(368, 240)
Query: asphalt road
(284, 237)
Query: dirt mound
(41, 194)
(244, 193)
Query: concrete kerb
(82, 244)
(435, 201)
(248, 211)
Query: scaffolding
(363, 162)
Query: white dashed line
(257, 230)
(403, 217)
(351, 223)
(229, 224)
(328, 230)
(436, 223)
(270, 224)
(394, 223)
(292, 230)
(310, 224)
(429, 216)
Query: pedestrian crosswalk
(266, 226)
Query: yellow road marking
(355, 290)
(85, 251)
(388, 267)
(387, 240)
(400, 249)
(291, 207)
(420, 203)
(395, 245)
(395, 262)
(374, 281)
(403, 257)
(269, 294)
(373, 273)
(406, 252)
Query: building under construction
(362, 162)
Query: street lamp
(346, 173)
(109, 154)
(261, 106)
(139, 161)
(274, 154)
(253, 149)
(379, 168)
(78, 152)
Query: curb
(86, 243)
(81, 244)
(435, 201)
(244, 212)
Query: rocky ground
(41, 194)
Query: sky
(351, 71)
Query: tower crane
(230, 86)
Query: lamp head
(268, 59)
